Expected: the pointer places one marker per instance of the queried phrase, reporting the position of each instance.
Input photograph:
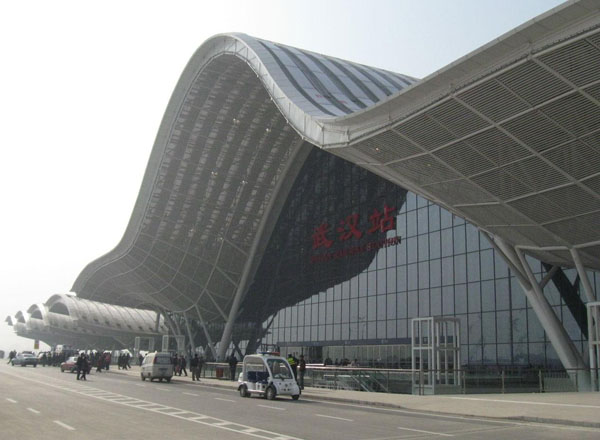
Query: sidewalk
(580, 409)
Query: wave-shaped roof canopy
(507, 137)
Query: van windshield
(162, 360)
(279, 369)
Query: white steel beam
(587, 287)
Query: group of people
(298, 368)
(123, 361)
(180, 365)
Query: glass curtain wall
(441, 267)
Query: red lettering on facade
(320, 237)
(382, 221)
(349, 228)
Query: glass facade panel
(441, 266)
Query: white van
(267, 375)
(157, 366)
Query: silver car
(24, 359)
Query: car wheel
(142, 376)
(160, 379)
(168, 379)
(34, 365)
(151, 379)
(244, 391)
(270, 393)
(12, 363)
(296, 396)
(62, 370)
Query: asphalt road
(44, 403)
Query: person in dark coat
(194, 367)
(301, 371)
(232, 366)
(182, 365)
(84, 367)
(79, 365)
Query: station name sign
(349, 229)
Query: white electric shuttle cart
(268, 375)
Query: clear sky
(83, 87)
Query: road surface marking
(333, 417)
(225, 400)
(11, 400)
(64, 425)
(189, 416)
(272, 407)
(425, 432)
(163, 389)
(525, 402)
(35, 411)
(191, 394)
(462, 417)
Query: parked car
(69, 365)
(267, 375)
(23, 359)
(157, 366)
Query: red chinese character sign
(320, 237)
(350, 230)
(382, 222)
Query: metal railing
(470, 380)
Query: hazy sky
(83, 87)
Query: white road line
(11, 400)
(35, 411)
(64, 425)
(525, 402)
(425, 432)
(272, 407)
(333, 417)
(168, 412)
(225, 400)
(139, 385)
(191, 394)
(162, 389)
(462, 417)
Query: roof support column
(587, 287)
(292, 166)
(593, 313)
(189, 331)
(206, 333)
(565, 349)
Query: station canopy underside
(507, 137)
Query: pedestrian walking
(232, 366)
(84, 367)
(194, 367)
(301, 371)
(79, 365)
(182, 365)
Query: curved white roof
(507, 137)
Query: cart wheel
(270, 393)
(244, 391)
(143, 378)
(168, 379)
(296, 396)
